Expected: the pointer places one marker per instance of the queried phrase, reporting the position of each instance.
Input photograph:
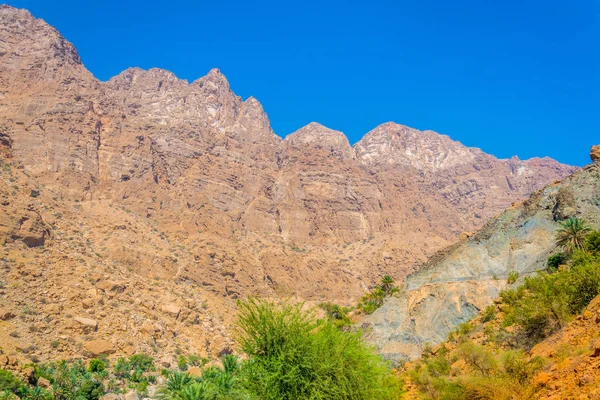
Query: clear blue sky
(513, 77)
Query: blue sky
(510, 77)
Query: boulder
(88, 303)
(111, 396)
(100, 347)
(43, 382)
(131, 396)
(465, 236)
(195, 371)
(171, 309)
(111, 286)
(152, 329)
(28, 373)
(165, 361)
(32, 231)
(6, 315)
(595, 153)
(87, 323)
(128, 349)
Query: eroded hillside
(459, 282)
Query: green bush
(555, 260)
(489, 314)
(478, 358)
(142, 362)
(10, 384)
(547, 301)
(96, 365)
(592, 243)
(518, 367)
(572, 234)
(182, 363)
(512, 277)
(292, 356)
(337, 314)
(71, 381)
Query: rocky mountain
(151, 178)
(460, 281)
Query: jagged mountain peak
(26, 36)
(394, 144)
(153, 77)
(315, 137)
(314, 131)
(214, 79)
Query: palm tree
(387, 284)
(177, 382)
(572, 233)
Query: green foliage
(478, 358)
(293, 356)
(337, 314)
(512, 277)
(10, 384)
(572, 233)
(71, 381)
(374, 299)
(142, 362)
(387, 284)
(96, 365)
(134, 368)
(592, 243)
(122, 368)
(214, 384)
(546, 302)
(484, 378)
(556, 260)
(196, 361)
(517, 365)
(182, 363)
(489, 314)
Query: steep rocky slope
(187, 183)
(461, 280)
(574, 354)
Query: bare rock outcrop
(595, 153)
(463, 279)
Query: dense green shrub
(512, 277)
(96, 365)
(489, 314)
(10, 384)
(337, 314)
(71, 381)
(292, 356)
(478, 358)
(555, 260)
(547, 301)
(592, 243)
(518, 366)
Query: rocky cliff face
(458, 282)
(221, 200)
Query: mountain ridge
(213, 75)
(187, 182)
